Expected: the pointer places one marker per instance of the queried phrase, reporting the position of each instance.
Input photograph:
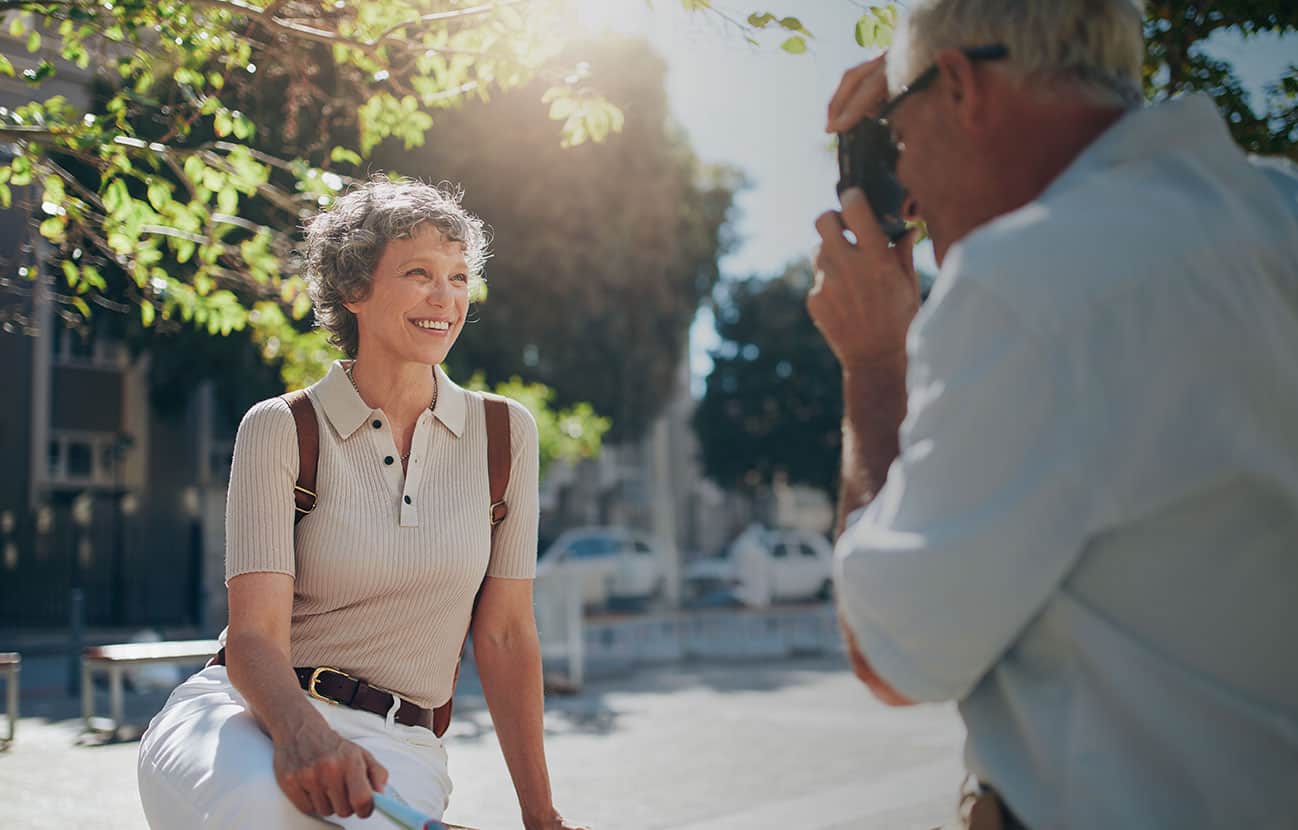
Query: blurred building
(99, 491)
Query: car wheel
(826, 590)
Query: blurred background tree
(172, 202)
(773, 402)
(603, 252)
(1177, 60)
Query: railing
(557, 599)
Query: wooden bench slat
(139, 652)
(10, 658)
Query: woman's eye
(461, 277)
(417, 272)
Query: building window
(83, 347)
(82, 458)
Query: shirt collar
(1155, 131)
(346, 410)
(451, 404)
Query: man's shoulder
(1072, 251)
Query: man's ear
(965, 91)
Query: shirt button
(407, 500)
(376, 423)
(388, 460)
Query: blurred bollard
(76, 613)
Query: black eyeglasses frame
(991, 52)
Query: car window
(807, 550)
(592, 547)
(780, 550)
(642, 547)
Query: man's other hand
(866, 292)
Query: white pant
(204, 763)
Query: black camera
(867, 158)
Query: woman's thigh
(413, 756)
(204, 763)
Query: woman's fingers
(378, 774)
(360, 798)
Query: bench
(115, 659)
(11, 663)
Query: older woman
(345, 630)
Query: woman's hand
(324, 775)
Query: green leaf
(159, 194)
(795, 45)
(54, 192)
(6, 68)
(147, 314)
(52, 229)
(6, 197)
(760, 21)
(17, 26)
(33, 41)
(223, 124)
(696, 5)
(793, 24)
(194, 168)
(70, 273)
(116, 196)
(865, 29)
(80, 305)
(227, 200)
(341, 154)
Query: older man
(1079, 462)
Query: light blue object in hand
(405, 815)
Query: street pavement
(722, 746)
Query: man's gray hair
(1094, 45)
(344, 243)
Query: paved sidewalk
(723, 746)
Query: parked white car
(612, 563)
(764, 566)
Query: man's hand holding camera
(866, 292)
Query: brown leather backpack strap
(499, 460)
(499, 455)
(308, 452)
(308, 460)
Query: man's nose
(910, 209)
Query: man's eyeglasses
(926, 78)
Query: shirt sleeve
(513, 553)
(259, 503)
(983, 512)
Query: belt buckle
(315, 678)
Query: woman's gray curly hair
(344, 243)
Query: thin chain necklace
(432, 405)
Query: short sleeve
(259, 503)
(983, 512)
(513, 552)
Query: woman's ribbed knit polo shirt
(387, 566)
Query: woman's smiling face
(418, 299)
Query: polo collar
(347, 412)
(451, 403)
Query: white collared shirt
(387, 565)
(1090, 537)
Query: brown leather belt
(336, 686)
